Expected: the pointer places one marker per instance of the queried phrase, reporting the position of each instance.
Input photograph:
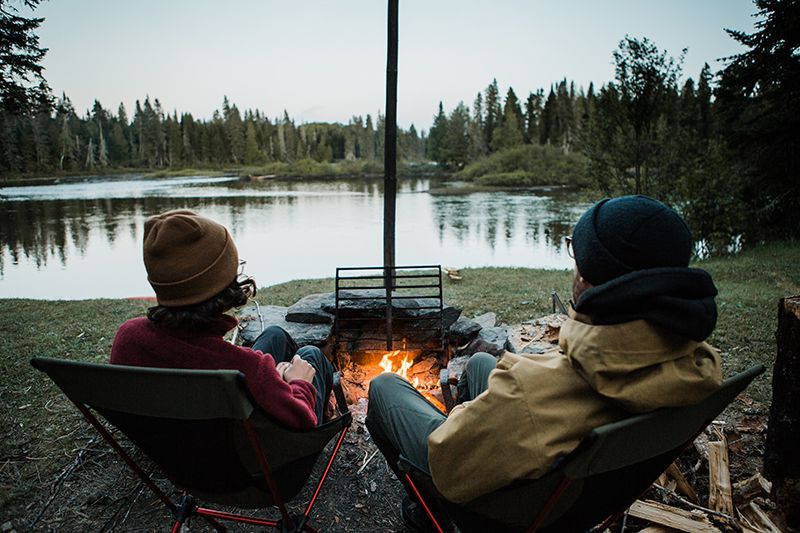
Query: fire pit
(392, 321)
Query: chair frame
(577, 464)
(187, 505)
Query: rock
(536, 347)
(481, 345)
(309, 309)
(486, 320)
(273, 315)
(350, 306)
(462, 331)
(456, 366)
(498, 336)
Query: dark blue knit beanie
(620, 235)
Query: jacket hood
(678, 299)
(639, 365)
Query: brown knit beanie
(189, 258)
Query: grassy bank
(38, 427)
(527, 166)
(303, 168)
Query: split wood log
(781, 460)
(658, 529)
(719, 478)
(755, 485)
(682, 485)
(658, 513)
(755, 518)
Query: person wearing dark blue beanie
(632, 262)
(619, 235)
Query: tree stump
(782, 453)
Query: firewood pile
(697, 493)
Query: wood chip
(672, 517)
(719, 478)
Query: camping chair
(596, 482)
(207, 435)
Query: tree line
(52, 137)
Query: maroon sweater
(140, 342)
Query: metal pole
(390, 165)
(390, 143)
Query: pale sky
(326, 60)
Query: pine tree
(493, 111)
(66, 141)
(436, 137)
(533, 112)
(548, 125)
(102, 150)
(41, 126)
(454, 151)
(21, 80)
(476, 130)
(704, 103)
(90, 161)
(508, 132)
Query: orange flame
(387, 365)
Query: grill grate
(380, 304)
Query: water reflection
(82, 240)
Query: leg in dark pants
(282, 347)
(400, 419)
(475, 378)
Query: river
(83, 239)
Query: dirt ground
(94, 491)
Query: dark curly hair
(200, 316)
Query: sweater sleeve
(291, 403)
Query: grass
(38, 426)
(301, 168)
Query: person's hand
(282, 367)
(299, 369)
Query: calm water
(83, 240)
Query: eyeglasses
(246, 283)
(570, 252)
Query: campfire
(421, 371)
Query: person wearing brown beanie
(193, 266)
(634, 342)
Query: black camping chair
(206, 434)
(594, 484)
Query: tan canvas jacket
(538, 407)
